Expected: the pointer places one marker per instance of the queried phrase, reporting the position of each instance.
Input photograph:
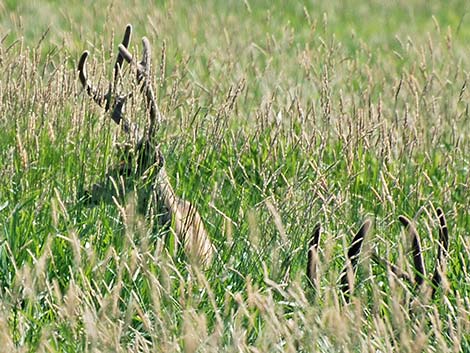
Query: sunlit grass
(276, 118)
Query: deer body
(187, 222)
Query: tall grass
(276, 118)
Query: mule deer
(144, 158)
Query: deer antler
(354, 251)
(312, 259)
(143, 73)
(417, 253)
(188, 224)
(442, 251)
(418, 262)
(107, 99)
(347, 275)
(351, 260)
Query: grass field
(277, 117)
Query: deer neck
(166, 190)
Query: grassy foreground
(277, 117)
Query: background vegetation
(277, 116)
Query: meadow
(277, 117)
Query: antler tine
(143, 73)
(125, 42)
(117, 114)
(417, 253)
(155, 116)
(146, 56)
(125, 54)
(313, 255)
(82, 74)
(442, 251)
(352, 257)
(143, 67)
